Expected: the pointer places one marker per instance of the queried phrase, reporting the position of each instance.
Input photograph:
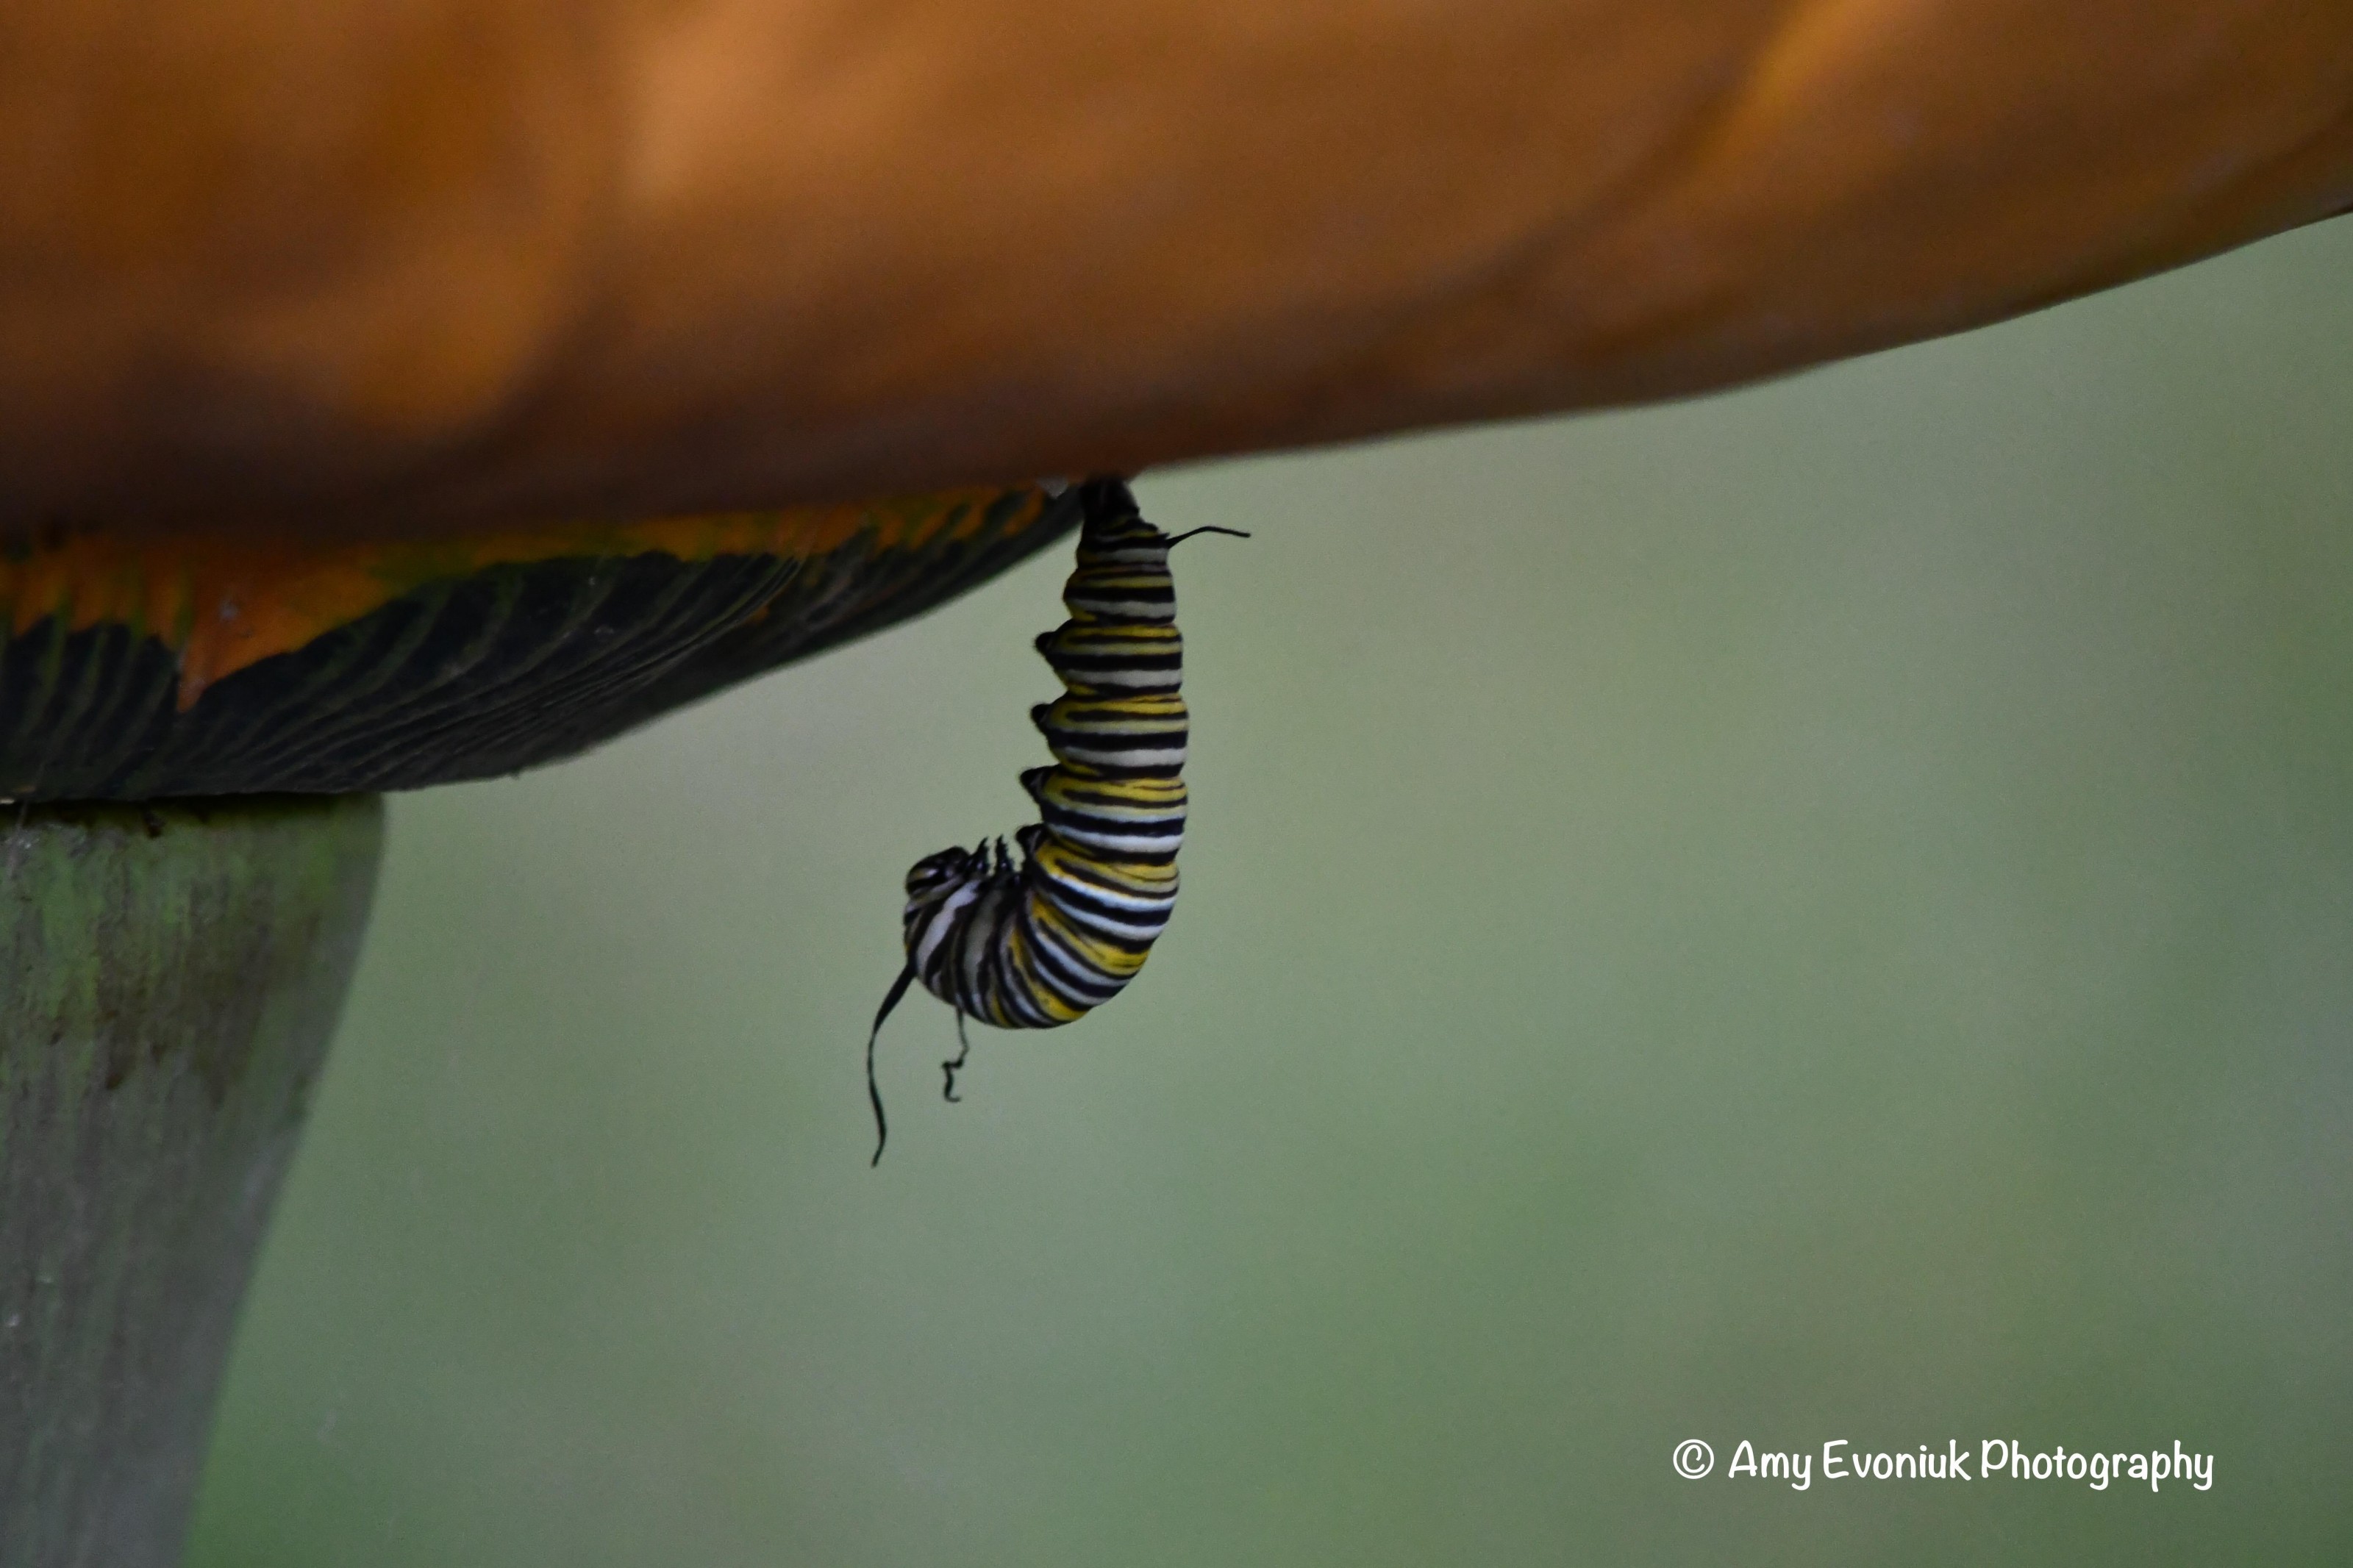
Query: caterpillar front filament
(1038, 941)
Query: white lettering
(1995, 1457)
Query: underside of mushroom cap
(140, 667)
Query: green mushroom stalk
(169, 977)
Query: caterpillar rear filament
(1038, 941)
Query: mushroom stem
(169, 977)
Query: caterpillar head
(934, 877)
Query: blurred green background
(1825, 912)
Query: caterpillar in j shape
(1041, 941)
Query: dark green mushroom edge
(503, 669)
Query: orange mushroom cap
(343, 270)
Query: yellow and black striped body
(1033, 942)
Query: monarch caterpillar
(1038, 942)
